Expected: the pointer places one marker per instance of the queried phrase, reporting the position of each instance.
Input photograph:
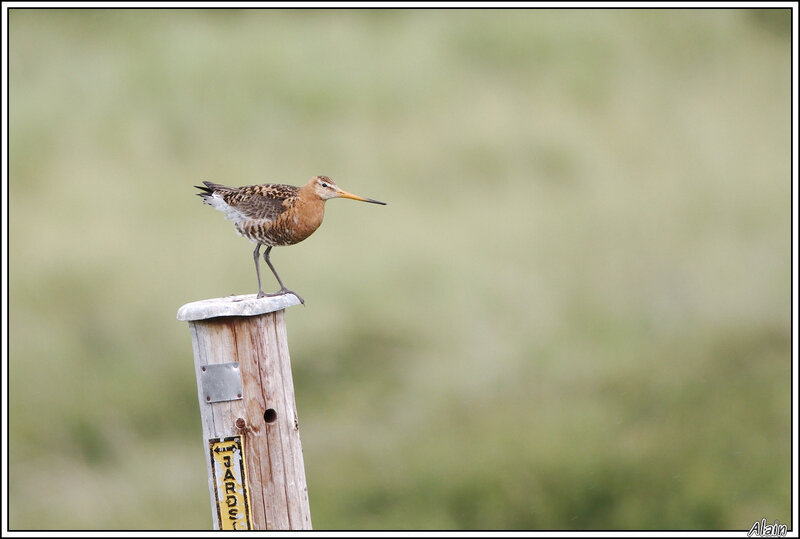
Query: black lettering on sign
(230, 487)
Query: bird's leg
(256, 254)
(283, 289)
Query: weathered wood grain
(266, 416)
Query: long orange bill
(345, 194)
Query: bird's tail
(209, 190)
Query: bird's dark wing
(266, 201)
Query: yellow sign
(230, 483)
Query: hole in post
(270, 415)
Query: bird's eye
(324, 184)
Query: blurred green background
(574, 313)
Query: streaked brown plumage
(275, 214)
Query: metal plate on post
(221, 382)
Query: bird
(275, 215)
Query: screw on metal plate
(221, 382)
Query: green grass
(573, 313)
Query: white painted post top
(246, 305)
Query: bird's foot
(295, 294)
(280, 292)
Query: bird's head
(325, 188)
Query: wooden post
(250, 429)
